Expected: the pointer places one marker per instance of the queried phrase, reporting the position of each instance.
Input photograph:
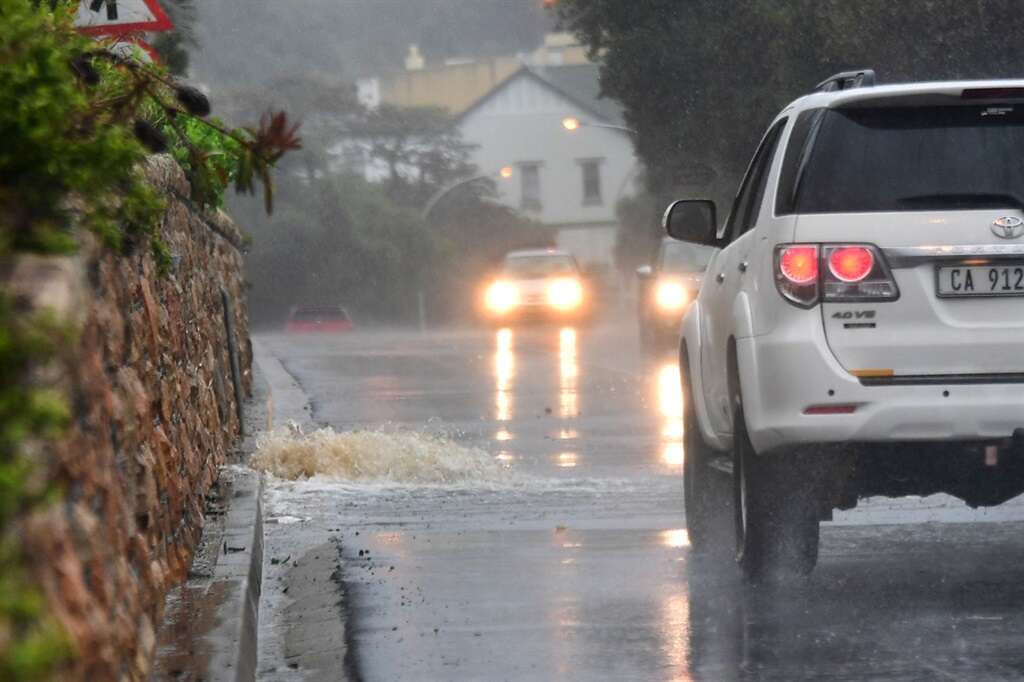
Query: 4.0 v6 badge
(854, 315)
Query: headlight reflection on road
(568, 460)
(670, 404)
(504, 372)
(672, 454)
(677, 537)
(675, 630)
(568, 370)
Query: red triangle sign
(119, 17)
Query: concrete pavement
(571, 562)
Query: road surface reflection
(504, 372)
(670, 405)
(568, 373)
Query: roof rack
(847, 80)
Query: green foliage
(217, 160)
(51, 148)
(75, 123)
(32, 645)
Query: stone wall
(152, 393)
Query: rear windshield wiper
(962, 200)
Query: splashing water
(372, 457)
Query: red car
(318, 318)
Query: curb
(211, 622)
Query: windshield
(535, 267)
(681, 257)
(912, 159)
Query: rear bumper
(785, 372)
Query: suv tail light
(799, 264)
(806, 274)
(856, 272)
(851, 263)
(797, 273)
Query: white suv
(861, 330)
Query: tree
(337, 239)
(639, 231)
(722, 69)
(420, 148)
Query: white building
(570, 180)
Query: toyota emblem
(1008, 227)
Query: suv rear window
(905, 159)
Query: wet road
(569, 560)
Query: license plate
(981, 280)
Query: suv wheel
(706, 492)
(776, 512)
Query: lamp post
(572, 124)
(504, 173)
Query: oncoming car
(667, 289)
(861, 332)
(536, 285)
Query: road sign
(121, 17)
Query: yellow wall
(454, 87)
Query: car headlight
(502, 297)
(671, 296)
(565, 294)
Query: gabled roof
(578, 83)
(581, 82)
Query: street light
(572, 124)
(505, 172)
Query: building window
(530, 174)
(591, 169)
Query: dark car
(318, 318)
(666, 290)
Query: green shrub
(55, 144)
(32, 645)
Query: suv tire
(707, 498)
(776, 512)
